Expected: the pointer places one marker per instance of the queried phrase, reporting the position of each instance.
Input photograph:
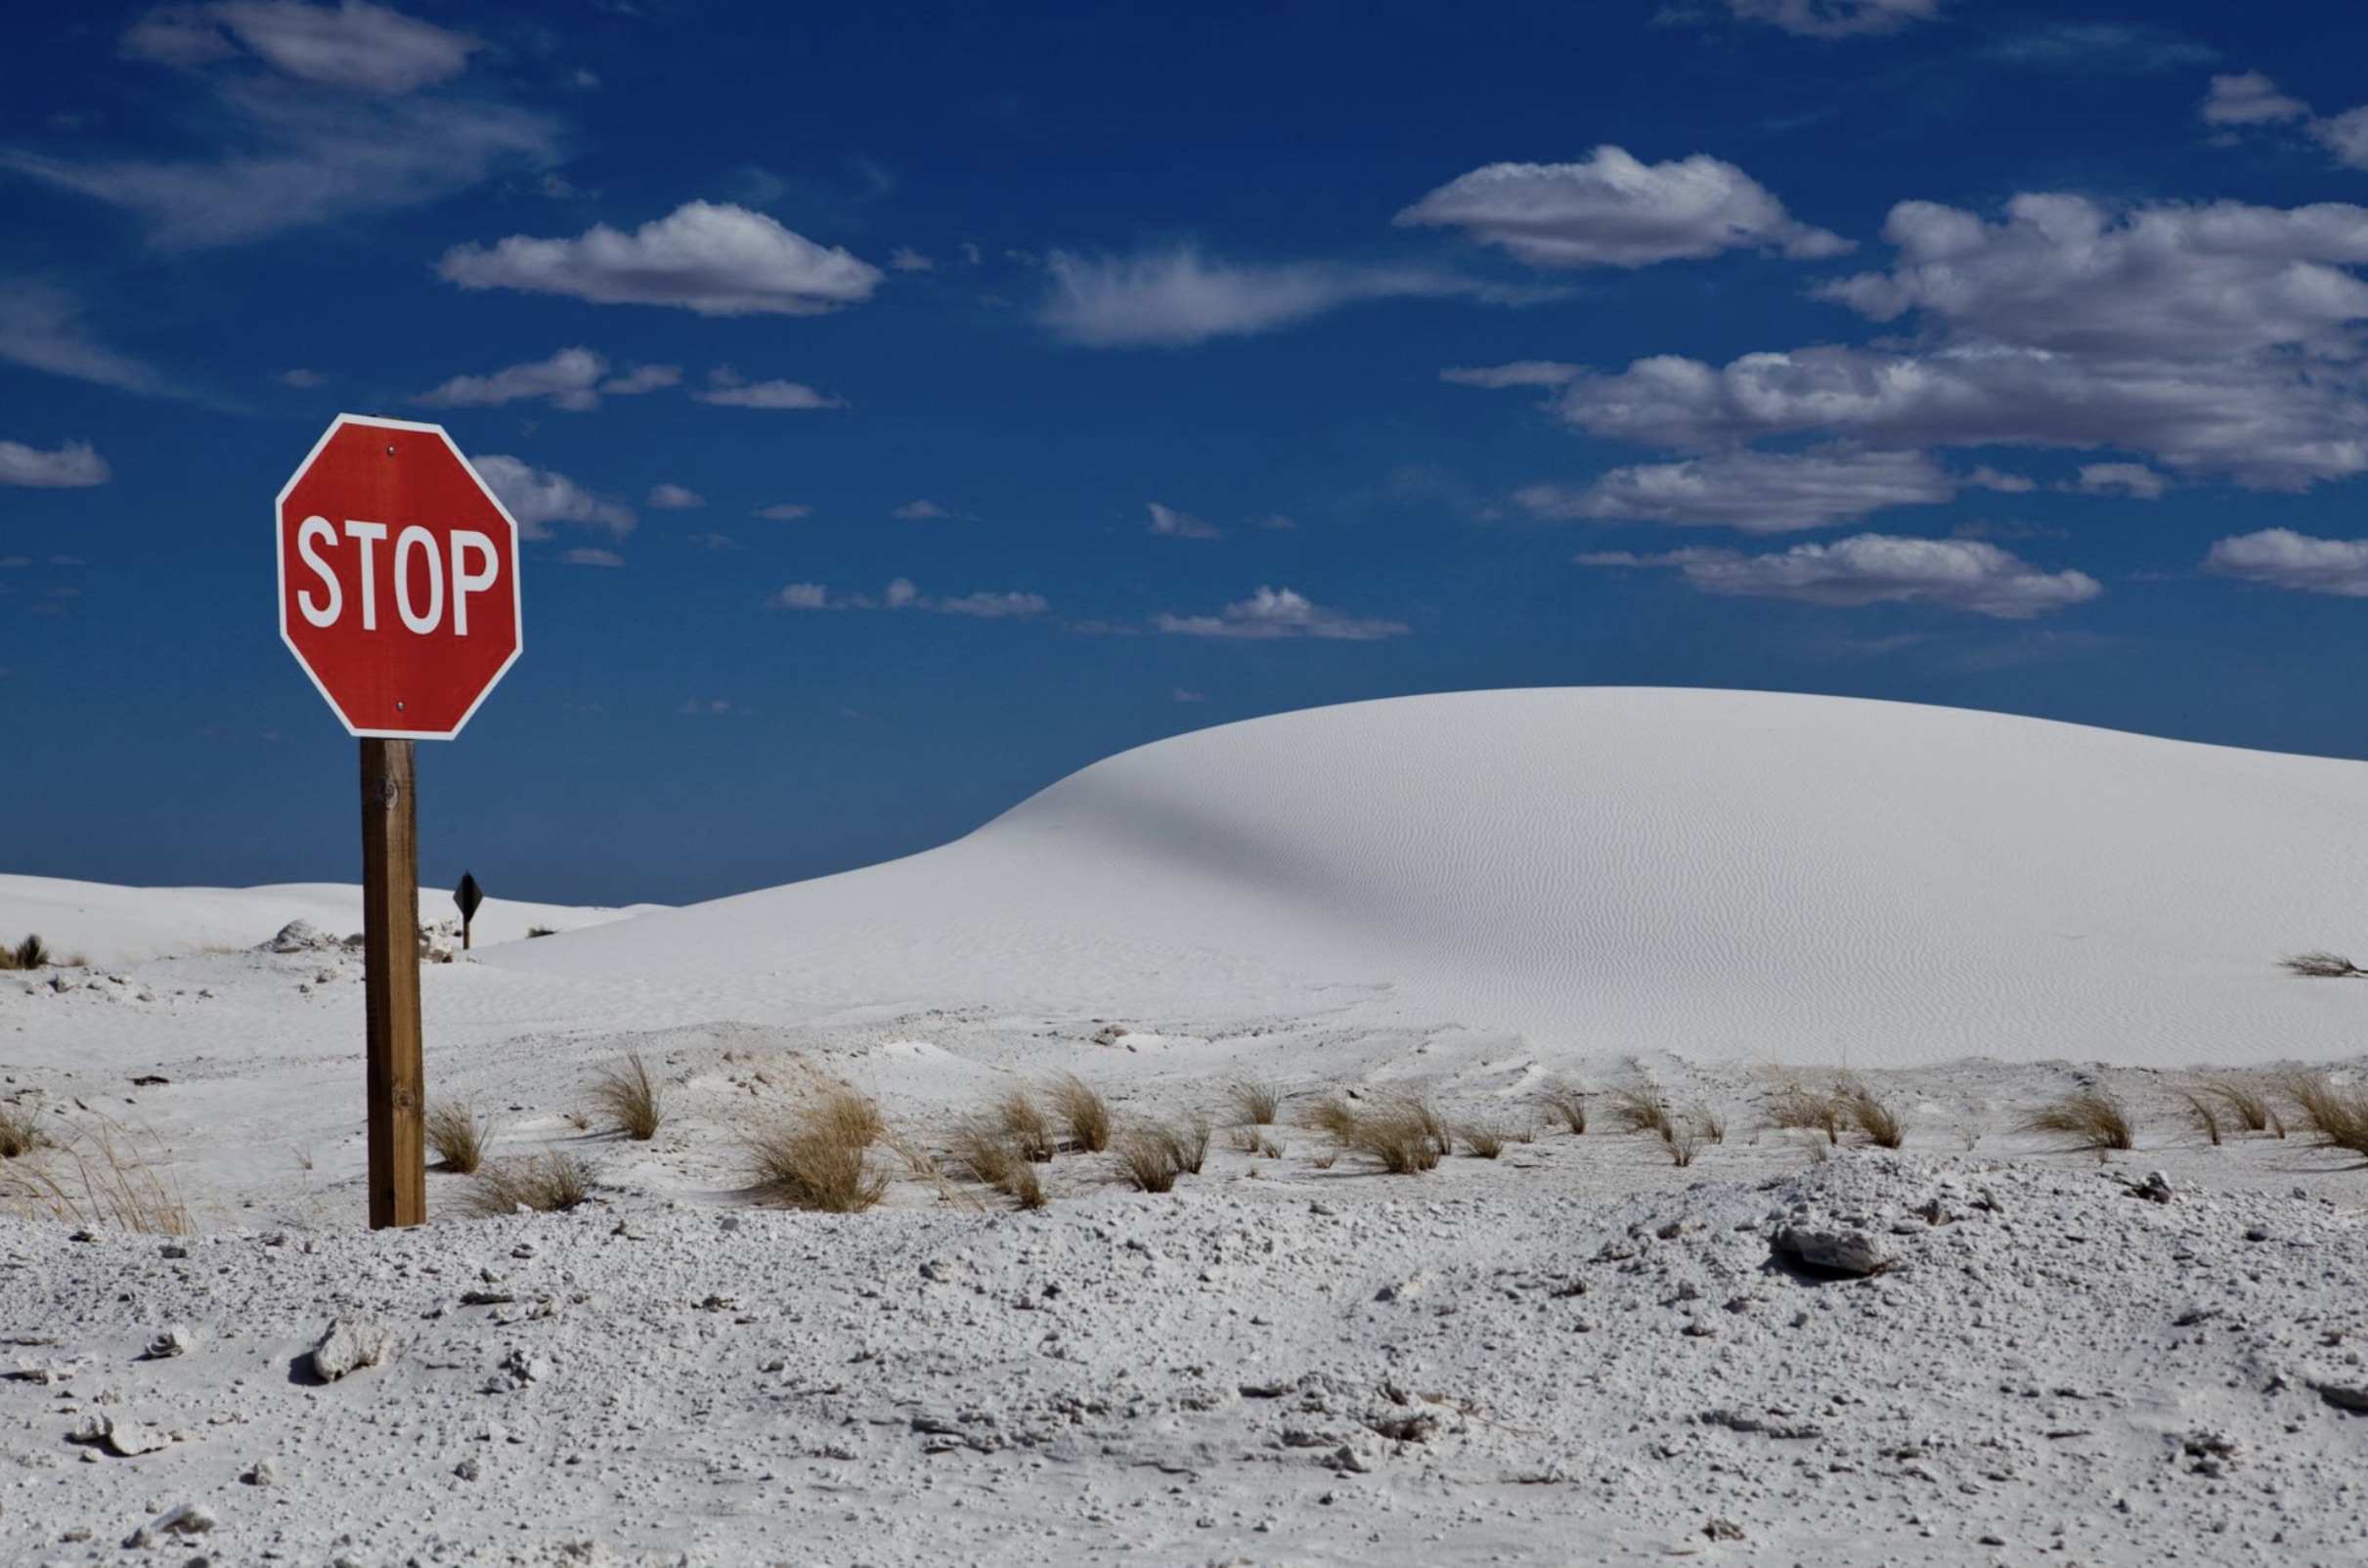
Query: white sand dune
(112, 925)
(1719, 874)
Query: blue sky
(912, 404)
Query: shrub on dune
(1083, 1112)
(2091, 1119)
(458, 1136)
(1567, 1102)
(547, 1183)
(820, 1157)
(630, 1098)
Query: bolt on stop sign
(398, 578)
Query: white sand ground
(1291, 1359)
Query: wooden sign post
(391, 966)
(398, 597)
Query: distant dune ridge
(1722, 874)
(1726, 875)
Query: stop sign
(398, 578)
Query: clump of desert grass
(2205, 1113)
(1485, 1138)
(1643, 1109)
(21, 1130)
(985, 1151)
(2242, 1103)
(98, 1176)
(1150, 1156)
(1254, 1101)
(30, 954)
(2320, 964)
(1804, 1110)
(819, 1156)
(2336, 1115)
(547, 1183)
(1400, 1134)
(1082, 1110)
(1255, 1140)
(1877, 1121)
(1686, 1135)
(1564, 1100)
(2091, 1120)
(630, 1098)
(458, 1135)
(1024, 1122)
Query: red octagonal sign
(398, 578)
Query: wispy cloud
(919, 511)
(322, 113)
(1271, 614)
(713, 258)
(785, 512)
(901, 595)
(728, 390)
(1520, 372)
(1822, 18)
(70, 466)
(1615, 210)
(1177, 297)
(1946, 574)
(1753, 492)
(41, 328)
(538, 498)
(667, 498)
(574, 378)
(1166, 522)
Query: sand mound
(1724, 874)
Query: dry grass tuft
(2246, 1103)
(2336, 1114)
(2093, 1119)
(545, 1182)
(1434, 1126)
(2320, 964)
(1808, 1111)
(2204, 1113)
(21, 1131)
(1567, 1102)
(1643, 1109)
(1875, 1119)
(95, 1176)
(1150, 1157)
(1255, 1141)
(1332, 1114)
(1685, 1139)
(458, 1136)
(1025, 1121)
(630, 1098)
(987, 1154)
(1397, 1137)
(1083, 1110)
(30, 954)
(1254, 1101)
(1486, 1140)
(818, 1158)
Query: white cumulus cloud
(667, 498)
(919, 511)
(1948, 573)
(2249, 98)
(72, 465)
(713, 258)
(2283, 558)
(538, 498)
(1272, 613)
(2132, 479)
(1615, 210)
